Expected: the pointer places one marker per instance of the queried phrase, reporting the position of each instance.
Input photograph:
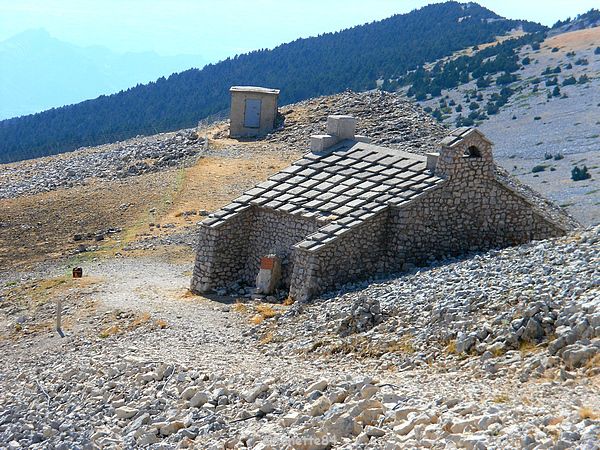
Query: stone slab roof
(459, 134)
(342, 187)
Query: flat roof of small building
(256, 89)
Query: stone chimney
(432, 159)
(339, 128)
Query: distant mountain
(351, 59)
(38, 72)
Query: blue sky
(217, 29)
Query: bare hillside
(544, 128)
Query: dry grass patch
(451, 347)
(36, 294)
(257, 319)
(128, 322)
(266, 311)
(267, 338)
(240, 308)
(263, 311)
(110, 331)
(586, 412)
(161, 323)
(140, 320)
(593, 363)
(56, 216)
(403, 345)
(555, 420)
(573, 41)
(527, 348)
(501, 398)
(364, 347)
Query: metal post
(59, 317)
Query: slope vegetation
(353, 58)
(538, 100)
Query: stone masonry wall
(221, 252)
(231, 252)
(356, 255)
(457, 218)
(274, 232)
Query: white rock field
(495, 350)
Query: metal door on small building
(252, 113)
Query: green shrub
(558, 157)
(556, 91)
(505, 78)
(578, 174)
(492, 109)
(464, 121)
(537, 169)
(483, 82)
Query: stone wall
(472, 210)
(231, 252)
(458, 218)
(221, 252)
(274, 232)
(355, 255)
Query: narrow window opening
(473, 152)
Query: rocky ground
(496, 350)
(109, 162)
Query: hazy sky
(219, 28)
